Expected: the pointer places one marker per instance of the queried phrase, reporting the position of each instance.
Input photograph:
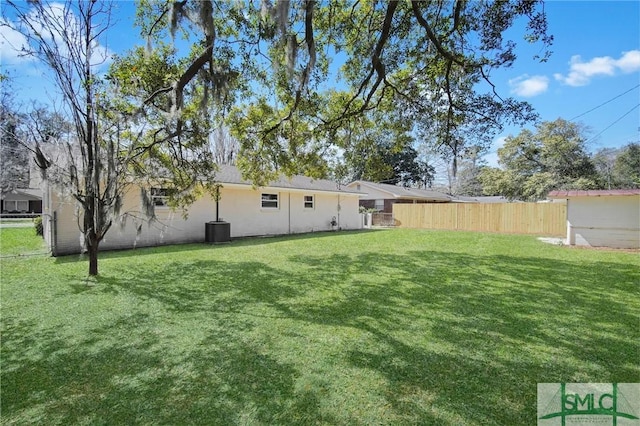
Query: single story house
(21, 201)
(602, 218)
(382, 196)
(285, 206)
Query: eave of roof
(593, 193)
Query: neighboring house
(286, 206)
(382, 197)
(492, 199)
(21, 201)
(603, 218)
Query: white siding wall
(607, 221)
(241, 206)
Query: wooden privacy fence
(516, 218)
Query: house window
(308, 201)
(16, 205)
(160, 197)
(379, 205)
(269, 201)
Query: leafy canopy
(534, 163)
(274, 67)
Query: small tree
(619, 167)
(110, 146)
(65, 37)
(604, 161)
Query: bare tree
(14, 161)
(224, 146)
(112, 144)
(65, 37)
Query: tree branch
(434, 39)
(377, 65)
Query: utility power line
(606, 102)
(611, 125)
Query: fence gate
(382, 219)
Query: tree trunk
(93, 258)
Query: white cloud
(629, 62)
(527, 86)
(63, 20)
(11, 44)
(580, 73)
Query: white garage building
(602, 218)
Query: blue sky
(596, 57)
(595, 60)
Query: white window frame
(159, 197)
(309, 202)
(267, 197)
(379, 204)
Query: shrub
(37, 223)
(363, 209)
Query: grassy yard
(381, 327)
(20, 241)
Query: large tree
(431, 59)
(534, 163)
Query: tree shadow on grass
(457, 339)
(505, 323)
(206, 286)
(508, 322)
(102, 380)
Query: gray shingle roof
(493, 199)
(407, 193)
(232, 175)
(30, 193)
(592, 193)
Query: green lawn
(20, 241)
(381, 327)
